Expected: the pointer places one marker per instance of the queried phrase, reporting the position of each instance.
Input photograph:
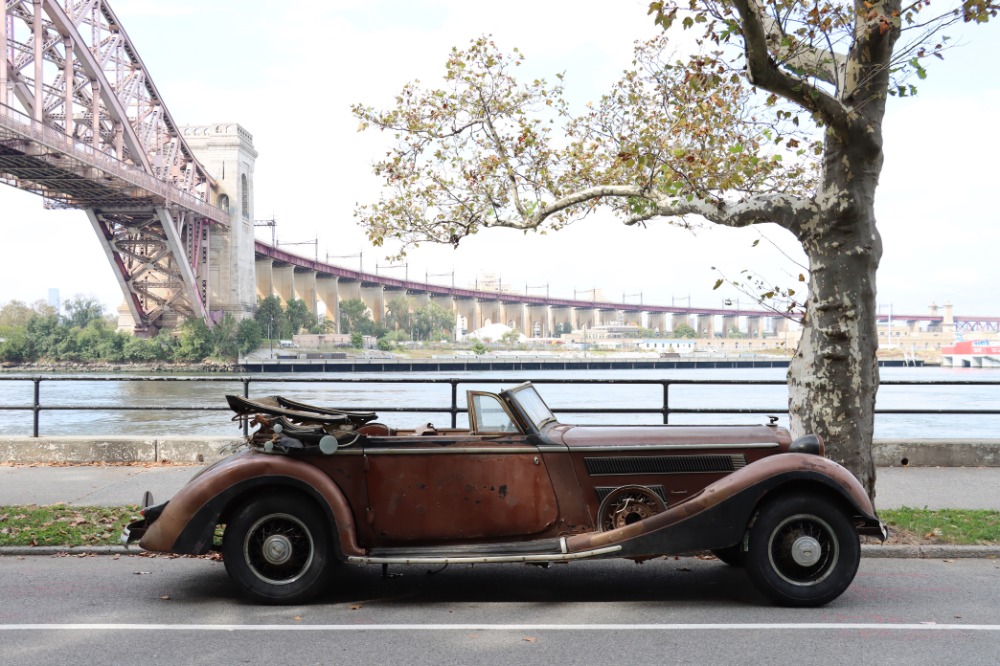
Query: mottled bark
(833, 377)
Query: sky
(290, 71)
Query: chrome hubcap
(806, 551)
(277, 549)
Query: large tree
(775, 117)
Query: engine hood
(665, 436)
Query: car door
(486, 483)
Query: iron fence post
(666, 403)
(246, 394)
(454, 403)
(36, 407)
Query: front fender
(188, 521)
(718, 516)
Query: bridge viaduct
(83, 125)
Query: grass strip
(960, 527)
(63, 525)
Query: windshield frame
(531, 405)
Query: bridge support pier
(328, 293)
(538, 321)
(264, 277)
(305, 288)
(374, 298)
(706, 326)
(283, 282)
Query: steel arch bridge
(83, 125)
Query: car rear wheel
(277, 549)
(802, 550)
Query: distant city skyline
(940, 227)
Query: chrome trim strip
(448, 450)
(487, 559)
(564, 546)
(672, 447)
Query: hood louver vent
(613, 465)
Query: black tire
(278, 549)
(802, 550)
(734, 556)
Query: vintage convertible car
(318, 487)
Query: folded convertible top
(297, 412)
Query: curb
(874, 551)
(931, 552)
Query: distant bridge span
(304, 277)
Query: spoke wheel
(277, 549)
(803, 550)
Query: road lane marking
(818, 626)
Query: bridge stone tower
(227, 153)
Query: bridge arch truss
(83, 125)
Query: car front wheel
(802, 550)
(277, 549)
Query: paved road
(933, 487)
(141, 610)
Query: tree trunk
(833, 378)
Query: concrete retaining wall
(114, 449)
(937, 453)
(888, 452)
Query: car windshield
(533, 405)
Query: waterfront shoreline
(484, 363)
(520, 363)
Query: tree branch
(764, 72)
(825, 65)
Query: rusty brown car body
(316, 487)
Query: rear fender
(188, 521)
(718, 516)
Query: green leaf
(718, 283)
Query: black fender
(187, 524)
(718, 516)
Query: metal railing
(453, 409)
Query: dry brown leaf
(529, 639)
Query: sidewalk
(117, 485)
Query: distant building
(54, 299)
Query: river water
(323, 389)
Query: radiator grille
(663, 464)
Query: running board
(485, 559)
